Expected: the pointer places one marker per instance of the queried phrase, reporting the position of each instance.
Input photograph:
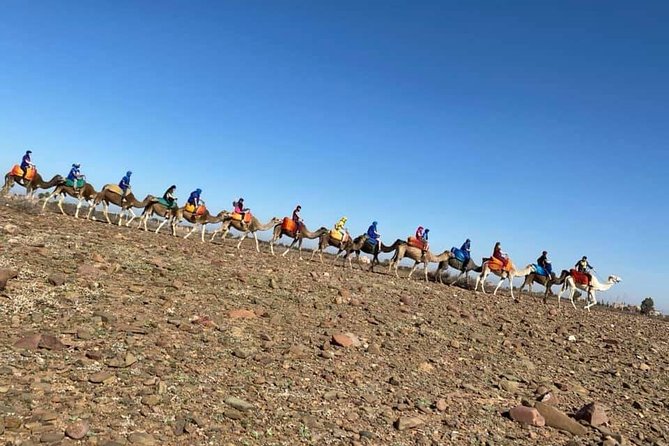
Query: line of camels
(152, 207)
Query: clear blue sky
(541, 124)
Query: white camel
(503, 275)
(594, 285)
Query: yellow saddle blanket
(116, 189)
(191, 209)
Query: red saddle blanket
(413, 241)
(579, 277)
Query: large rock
(559, 420)
(404, 423)
(29, 341)
(5, 275)
(242, 314)
(238, 403)
(527, 415)
(77, 430)
(50, 342)
(346, 340)
(593, 413)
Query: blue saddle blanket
(540, 271)
(371, 243)
(459, 254)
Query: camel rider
(194, 199)
(241, 210)
(297, 219)
(26, 162)
(500, 255)
(169, 197)
(466, 251)
(545, 264)
(124, 184)
(339, 226)
(373, 235)
(75, 175)
(582, 266)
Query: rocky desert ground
(113, 336)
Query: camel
(157, 208)
(456, 264)
(253, 226)
(416, 254)
(85, 193)
(36, 183)
(304, 233)
(503, 275)
(366, 248)
(202, 220)
(342, 245)
(533, 277)
(106, 196)
(595, 285)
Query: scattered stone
(151, 400)
(5, 276)
(50, 342)
(593, 413)
(559, 420)
(527, 415)
(51, 437)
(29, 341)
(233, 414)
(238, 404)
(509, 386)
(57, 279)
(342, 340)
(10, 229)
(77, 430)
(441, 405)
(101, 377)
(141, 439)
(404, 423)
(242, 314)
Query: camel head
(276, 220)
(615, 279)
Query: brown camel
(416, 254)
(369, 248)
(297, 238)
(201, 219)
(342, 246)
(85, 193)
(547, 282)
(31, 186)
(107, 195)
(157, 208)
(251, 227)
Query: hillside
(123, 337)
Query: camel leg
(499, 284)
(160, 226)
(425, 265)
(289, 247)
(255, 236)
(47, 199)
(571, 298)
(105, 210)
(76, 212)
(457, 278)
(241, 239)
(593, 301)
(134, 216)
(213, 236)
(60, 204)
(203, 229)
(413, 268)
(510, 277)
(191, 231)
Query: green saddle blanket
(166, 204)
(80, 183)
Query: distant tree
(647, 305)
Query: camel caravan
(242, 220)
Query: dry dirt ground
(116, 336)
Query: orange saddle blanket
(579, 277)
(289, 225)
(18, 172)
(238, 217)
(201, 209)
(413, 241)
(496, 265)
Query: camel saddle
(18, 172)
(496, 264)
(288, 225)
(539, 270)
(190, 208)
(80, 183)
(579, 277)
(337, 236)
(238, 217)
(116, 189)
(164, 202)
(414, 242)
(459, 255)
